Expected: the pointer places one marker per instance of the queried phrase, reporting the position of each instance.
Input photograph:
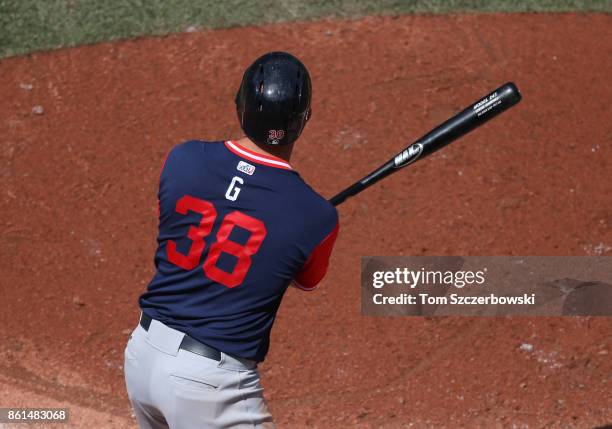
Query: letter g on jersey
(233, 190)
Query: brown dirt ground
(78, 212)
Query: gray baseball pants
(173, 388)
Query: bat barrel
(470, 118)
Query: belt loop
(141, 324)
(221, 361)
(164, 338)
(145, 321)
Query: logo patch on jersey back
(246, 168)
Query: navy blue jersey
(235, 229)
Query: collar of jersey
(269, 160)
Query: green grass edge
(34, 25)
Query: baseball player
(237, 226)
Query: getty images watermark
(487, 286)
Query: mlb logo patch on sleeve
(246, 168)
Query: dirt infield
(83, 133)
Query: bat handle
(376, 175)
(342, 196)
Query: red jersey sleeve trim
(316, 266)
(299, 286)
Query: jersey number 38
(223, 244)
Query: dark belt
(189, 344)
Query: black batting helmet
(273, 102)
